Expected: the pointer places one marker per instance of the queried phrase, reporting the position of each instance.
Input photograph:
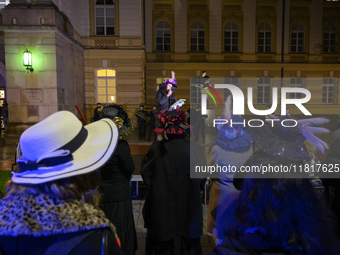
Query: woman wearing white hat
(51, 204)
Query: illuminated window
(106, 86)
(163, 36)
(195, 92)
(297, 38)
(105, 17)
(231, 37)
(263, 90)
(264, 37)
(329, 91)
(197, 36)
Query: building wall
(122, 52)
(78, 13)
(129, 66)
(56, 83)
(247, 62)
(130, 18)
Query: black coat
(164, 102)
(173, 205)
(116, 174)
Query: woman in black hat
(173, 209)
(142, 117)
(115, 186)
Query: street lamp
(28, 60)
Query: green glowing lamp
(28, 60)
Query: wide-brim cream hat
(60, 146)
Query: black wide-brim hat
(116, 113)
(286, 142)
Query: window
(231, 37)
(197, 36)
(105, 17)
(329, 38)
(230, 80)
(265, 37)
(297, 38)
(195, 93)
(297, 83)
(106, 86)
(263, 90)
(329, 91)
(163, 36)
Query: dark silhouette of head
(285, 211)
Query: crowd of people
(70, 193)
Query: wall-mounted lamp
(28, 60)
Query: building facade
(89, 51)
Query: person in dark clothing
(165, 96)
(199, 124)
(51, 206)
(142, 117)
(152, 124)
(278, 216)
(97, 111)
(205, 78)
(279, 212)
(4, 113)
(115, 186)
(173, 209)
(332, 181)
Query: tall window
(230, 80)
(163, 36)
(329, 91)
(106, 86)
(231, 37)
(195, 93)
(297, 38)
(297, 83)
(105, 17)
(263, 90)
(197, 36)
(264, 37)
(329, 38)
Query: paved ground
(138, 149)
